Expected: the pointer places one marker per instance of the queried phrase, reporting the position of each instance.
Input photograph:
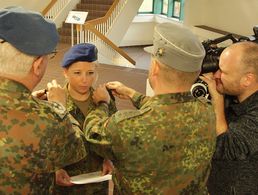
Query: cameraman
(235, 161)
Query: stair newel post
(77, 33)
(81, 33)
(72, 42)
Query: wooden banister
(91, 28)
(217, 30)
(49, 6)
(107, 15)
(96, 29)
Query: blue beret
(84, 52)
(27, 31)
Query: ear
(65, 72)
(247, 79)
(37, 66)
(155, 68)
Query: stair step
(102, 2)
(89, 17)
(97, 13)
(66, 31)
(93, 7)
(67, 39)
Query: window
(146, 7)
(169, 8)
(176, 10)
(165, 7)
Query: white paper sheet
(93, 177)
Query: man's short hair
(250, 56)
(14, 62)
(177, 77)
(176, 46)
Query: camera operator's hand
(101, 94)
(215, 95)
(217, 102)
(55, 93)
(120, 90)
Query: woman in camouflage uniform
(80, 72)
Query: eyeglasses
(52, 54)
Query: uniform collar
(248, 103)
(172, 98)
(71, 106)
(13, 86)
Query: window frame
(173, 7)
(157, 8)
(162, 8)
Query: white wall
(193, 12)
(236, 16)
(36, 5)
(141, 30)
(121, 24)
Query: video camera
(211, 61)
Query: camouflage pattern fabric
(35, 141)
(91, 163)
(164, 147)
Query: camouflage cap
(176, 46)
(27, 31)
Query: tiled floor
(141, 57)
(135, 78)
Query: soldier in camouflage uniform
(80, 71)
(36, 137)
(165, 146)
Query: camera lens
(199, 90)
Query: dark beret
(84, 52)
(27, 31)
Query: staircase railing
(57, 10)
(95, 31)
(104, 23)
(89, 32)
(53, 8)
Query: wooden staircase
(95, 9)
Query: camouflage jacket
(164, 147)
(35, 141)
(91, 163)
